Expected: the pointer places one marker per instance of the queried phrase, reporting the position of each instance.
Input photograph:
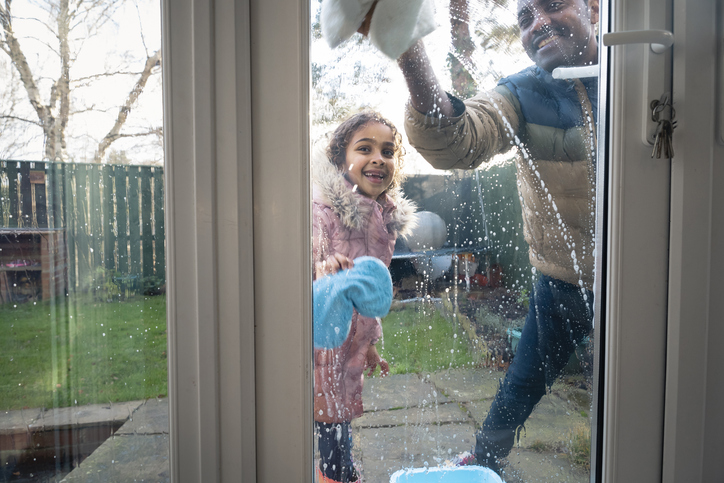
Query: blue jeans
(334, 441)
(560, 316)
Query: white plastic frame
(236, 90)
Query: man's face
(559, 32)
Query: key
(663, 143)
(663, 146)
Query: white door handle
(660, 40)
(656, 69)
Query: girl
(358, 209)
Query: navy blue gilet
(550, 102)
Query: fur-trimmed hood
(332, 189)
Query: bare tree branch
(155, 131)
(126, 108)
(102, 75)
(21, 119)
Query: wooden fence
(112, 215)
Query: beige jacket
(554, 170)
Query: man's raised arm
(426, 94)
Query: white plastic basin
(453, 474)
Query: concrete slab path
(410, 421)
(137, 452)
(418, 421)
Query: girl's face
(370, 159)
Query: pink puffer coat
(351, 224)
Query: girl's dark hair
(340, 138)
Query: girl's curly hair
(340, 138)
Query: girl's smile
(370, 159)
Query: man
(553, 124)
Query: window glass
(83, 369)
(484, 213)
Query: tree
(44, 58)
(464, 86)
(495, 34)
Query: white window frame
(236, 86)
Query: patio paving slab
(525, 466)
(440, 414)
(467, 384)
(137, 452)
(399, 391)
(551, 422)
(85, 415)
(150, 418)
(383, 451)
(125, 458)
(20, 419)
(429, 429)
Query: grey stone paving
(403, 391)
(525, 466)
(424, 421)
(126, 458)
(410, 421)
(151, 418)
(137, 452)
(382, 451)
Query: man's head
(559, 33)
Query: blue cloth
(559, 318)
(366, 287)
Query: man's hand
(332, 264)
(426, 94)
(373, 359)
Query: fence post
(82, 242)
(55, 190)
(38, 178)
(147, 210)
(120, 175)
(26, 200)
(69, 209)
(159, 221)
(109, 239)
(134, 221)
(95, 207)
(12, 171)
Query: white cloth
(396, 24)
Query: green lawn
(81, 351)
(418, 341)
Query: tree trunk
(460, 62)
(64, 79)
(11, 47)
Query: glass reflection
(83, 363)
(489, 335)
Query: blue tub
(453, 474)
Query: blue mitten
(366, 287)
